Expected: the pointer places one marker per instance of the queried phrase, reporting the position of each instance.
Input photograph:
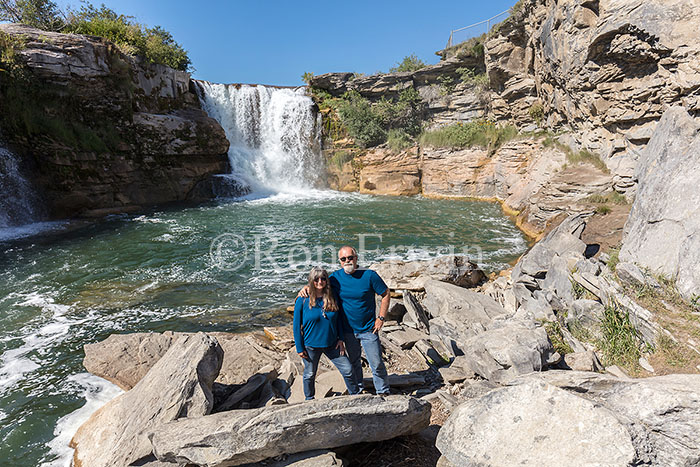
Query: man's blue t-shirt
(356, 294)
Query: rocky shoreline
(480, 351)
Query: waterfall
(274, 135)
(18, 200)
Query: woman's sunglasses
(320, 279)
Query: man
(356, 289)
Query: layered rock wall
(532, 181)
(107, 132)
(605, 70)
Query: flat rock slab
(178, 385)
(535, 424)
(244, 436)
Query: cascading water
(274, 135)
(18, 200)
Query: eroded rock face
(661, 233)
(241, 436)
(178, 385)
(384, 172)
(607, 69)
(131, 132)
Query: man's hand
(378, 323)
(304, 355)
(340, 345)
(304, 292)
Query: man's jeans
(373, 351)
(341, 362)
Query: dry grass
(678, 316)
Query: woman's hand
(340, 345)
(304, 355)
(304, 292)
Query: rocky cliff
(602, 72)
(605, 70)
(106, 132)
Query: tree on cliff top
(41, 14)
(155, 44)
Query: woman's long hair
(329, 303)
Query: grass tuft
(620, 342)
(556, 336)
(481, 133)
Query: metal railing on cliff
(469, 31)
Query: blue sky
(275, 42)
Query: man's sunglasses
(346, 258)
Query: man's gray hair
(354, 251)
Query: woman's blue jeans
(373, 350)
(341, 362)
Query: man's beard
(349, 268)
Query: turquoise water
(166, 270)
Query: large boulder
(411, 275)
(241, 436)
(124, 359)
(662, 232)
(510, 349)
(661, 414)
(534, 423)
(177, 386)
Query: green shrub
(306, 77)
(475, 133)
(369, 124)
(536, 112)
(362, 123)
(409, 63)
(155, 44)
(398, 140)
(447, 84)
(470, 76)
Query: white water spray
(274, 135)
(18, 201)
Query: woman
(318, 330)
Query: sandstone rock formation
(237, 437)
(115, 132)
(662, 231)
(178, 385)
